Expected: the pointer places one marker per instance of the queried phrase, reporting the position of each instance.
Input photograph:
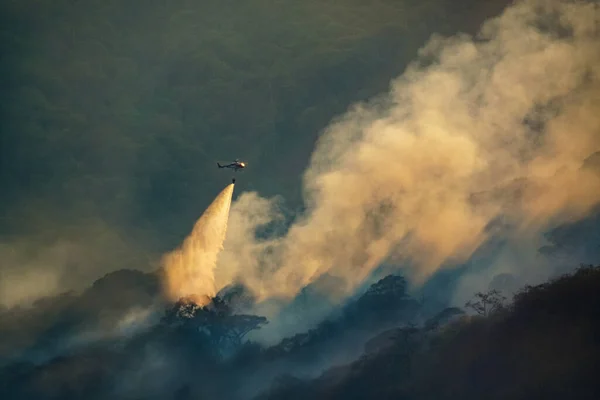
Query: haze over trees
(542, 343)
(113, 114)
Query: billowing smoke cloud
(189, 270)
(479, 130)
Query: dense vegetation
(45, 341)
(544, 344)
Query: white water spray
(189, 271)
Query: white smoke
(497, 126)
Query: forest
(113, 116)
(543, 343)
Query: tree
(216, 321)
(486, 303)
(391, 285)
(386, 299)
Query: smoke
(478, 130)
(38, 265)
(23, 286)
(189, 270)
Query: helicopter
(236, 165)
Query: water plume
(189, 271)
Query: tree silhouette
(486, 303)
(216, 321)
(385, 300)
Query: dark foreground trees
(486, 303)
(545, 345)
(191, 350)
(215, 323)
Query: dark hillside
(545, 345)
